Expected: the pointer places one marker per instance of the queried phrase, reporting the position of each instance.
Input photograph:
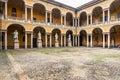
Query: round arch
(97, 13)
(56, 16)
(69, 19)
(21, 35)
(39, 12)
(83, 18)
(97, 35)
(114, 33)
(36, 31)
(83, 38)
(54, 32)
(17, 8)
(69, 32)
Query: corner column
(78, 40)
(108, 14)
(103, 40)
(26, 12)
(65, 20)
(91, 40)
(31, 13)
(50, 40)
(31, 40)
(103, 16)
(46, 38)
(5, 40)
(108, 40)
(91, 21)
(87, 40)
(73, 40)
(64, 40)
(46, 16)
(61, 40)
(25, 40)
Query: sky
(74, 3)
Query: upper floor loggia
(18, 10)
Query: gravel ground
(69, 63)
(6, 71)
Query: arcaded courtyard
(60, 64)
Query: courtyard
(71, 63)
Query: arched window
(14, 12)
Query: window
(14, 12)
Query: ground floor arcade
(29, 39)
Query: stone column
(91, 19)
(78, 22)
(65, 20)
(108, 40)
(87, 40)
(78, 40)
(108, 14)
(64, 40)
(61, 40)
(26, 13)
(46, 16)
(31, 40)
(25, 40)
(46, 40)
(0, 40)
(91, 41)
(5, 40)
(31, 13)
(61, 19)
(73, 22)
(6, 10)
(50, 17)
(103, 40)
(73, 40)
(103, 16)
(50, 40)
(87, 19)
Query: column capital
(28, 32)
(105, 9)
(106, 32)
(28, 6)
(89, 34)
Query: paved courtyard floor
(60, 64)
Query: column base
(69, 44)
(39, 44)
(56, 44)
(16, 45)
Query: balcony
(100, 24)
(36, 22)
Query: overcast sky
(74, 3)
